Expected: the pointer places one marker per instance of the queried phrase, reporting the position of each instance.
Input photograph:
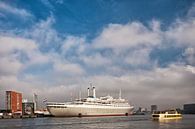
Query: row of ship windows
(56, 104)
(91, 110)
(58, 107)
(166, 116)
(93, 105)
(78, 103)
(97, 104)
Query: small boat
(166, 115)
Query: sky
(56, 48)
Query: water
(130, 122)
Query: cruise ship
(91, 106)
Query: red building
(13, 101)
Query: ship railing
(54, 103)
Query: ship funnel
(94, 96)
(88, 92)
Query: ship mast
(120, 94)
(80, 95)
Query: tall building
(13, 101)
(153, 108)
(189, 108)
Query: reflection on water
(130, 122)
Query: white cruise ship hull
(89, 110)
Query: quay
(7, 116)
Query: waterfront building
(189, 108)
(153, 108)
(143, 109)
(13, 101)
(27, 108)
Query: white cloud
(190, 69)
(44, 34)
(130, 35)
(129, 44)
(47, 4)
(68, 68)
(15, 11)
(190, 55)
(155, 26)
(78, 45)
(182, 32)
(36, 57)
(59, 1)
(10, 44)
(9, 66)
(191, 11)
(138, 57)
(96, 61)
(10, 48)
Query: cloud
(45, 36)
(190, 69)
(59, 1)
(9, 65)
(96, 61)
(182, 32)
(138, 57)
(74, 45)
(48, 4)
(118, 36)
(129, 44)
(19, 12)
(68, 68)
(10, 44)
(190, 55)
(191, 11)
(10, 52)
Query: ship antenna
(90, 85)
(120, 94)
(90, 88)
(80, 95)
(71, 96)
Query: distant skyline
(55, 48)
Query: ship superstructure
(91, 106)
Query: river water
(130, 122)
